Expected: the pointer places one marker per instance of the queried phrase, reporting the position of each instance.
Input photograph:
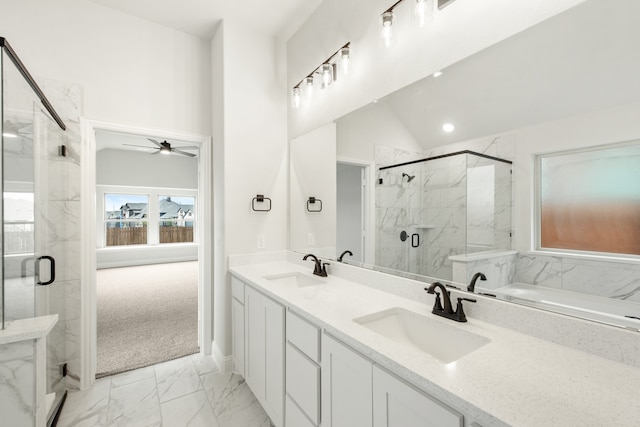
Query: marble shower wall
(63, 226)
(618, 280)
(17, 388)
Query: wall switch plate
(261, 242)
(311, 239)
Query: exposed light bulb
(295, 98)
(309, 81)
(165, 151)
(448, 127)
(387, 28)
(327, 75)
(345, 53)
(422, 12)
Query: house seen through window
(128, 219)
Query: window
(176, 219)
(589, 200)
(125, 220)
(19, 223)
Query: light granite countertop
(28, 329)
(515, 379)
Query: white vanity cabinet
(346, 386)
(264, 351)
(302, 373)
(237, 325)
(398, 404)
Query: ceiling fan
(165, 148)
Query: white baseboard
(224, 363)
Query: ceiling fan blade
(155, 142)
(155, 152)
(141, 146)
(183, 153)
(188, 147)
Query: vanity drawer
(303, 383)
(237, 289)
(303, 335)
(294, 416)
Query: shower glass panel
(431, 209)
(34, 181)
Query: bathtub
(600, 309)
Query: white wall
(373, 125)
(250, 156)
(131, 168)
(132, 71)
(313, 174)
(463, 28)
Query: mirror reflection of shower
(461, 205)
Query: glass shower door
(33, 242)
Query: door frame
(88, 330)
(367, 206)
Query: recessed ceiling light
(448, 127)
(437, 74)
(375, 100)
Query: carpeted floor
(146, 315)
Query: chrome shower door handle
(52, 270)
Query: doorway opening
(147, 223)
(354, 213)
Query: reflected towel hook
(260, 199)
(312, 203)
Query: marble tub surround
(498, 266)
(189, 391)
(516, 379)
(617, 279)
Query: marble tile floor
(189, 391)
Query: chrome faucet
(320, 269)
(447, 311)
(472, 285)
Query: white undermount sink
(295, 278)
(444, 342)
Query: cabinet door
(237, 336)
(397, 404)
(255, 340)
(274, 360)
(346, 386)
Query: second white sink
(444, 342)
(299, 280)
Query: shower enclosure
(33, 178)
(430, 209)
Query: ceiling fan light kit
(164, 147)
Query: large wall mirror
(441, 180)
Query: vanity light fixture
(422, 13)
(309, 83)
(295, 97)
(345, 54)
(327, 73)
(387, 27)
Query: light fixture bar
(393, 6)
(324, 62)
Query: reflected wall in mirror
(567, 83)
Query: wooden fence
(138, 235)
